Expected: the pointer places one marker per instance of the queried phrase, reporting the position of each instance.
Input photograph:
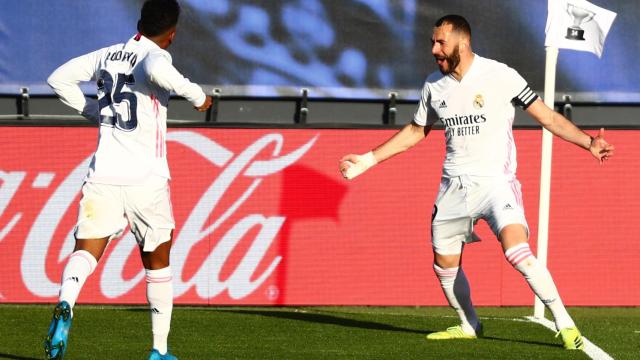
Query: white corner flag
(577, 25)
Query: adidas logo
(443, 105)
(155, 311)
(73, 278)
(507, 207)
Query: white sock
(540, 281)
(456, 289)
(80, 265)
(160, 297)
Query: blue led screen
(335, 48)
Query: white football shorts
(463, 200)
(105, 210)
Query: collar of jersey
(144, 42)
(474, 64)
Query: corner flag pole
(545, 169)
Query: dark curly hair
(158, 16)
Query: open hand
(600, 148)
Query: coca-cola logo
(258, 161)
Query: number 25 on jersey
(117, 107)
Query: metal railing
(300, 111)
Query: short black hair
(459, 23)
(158, 16)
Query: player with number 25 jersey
(134, 82)
(128, 179)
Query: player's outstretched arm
(565, 129)
(353, 165)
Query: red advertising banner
(264, 217)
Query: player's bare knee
(513, 235)
(158, 258)
(95, 247)
(154, 263)
(446, 261)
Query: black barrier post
(212, 112)
(390, 109)
(301, 108)
(567, 109)
(23, 102)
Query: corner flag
(571, 24)
(577, 25)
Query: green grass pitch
(339, 332)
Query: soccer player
(127, 181)
(475, 99)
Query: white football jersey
(134, 82)
(477, 113)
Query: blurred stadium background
(298, 84)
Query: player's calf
(541, 282)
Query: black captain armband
(525, 98)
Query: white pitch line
(590, 348)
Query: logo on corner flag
(577, 25)
(580, 16)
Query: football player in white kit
(127, 181)
(475, 99)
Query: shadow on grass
(341, 321)
(16, 357)
(531, 342)
(319, 318)
(326, 319)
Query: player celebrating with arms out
(127, 182)
(475, 99)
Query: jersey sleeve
(518, 90)
(65, 82)
(425, 115)
(161, 72)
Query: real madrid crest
(478, 102)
